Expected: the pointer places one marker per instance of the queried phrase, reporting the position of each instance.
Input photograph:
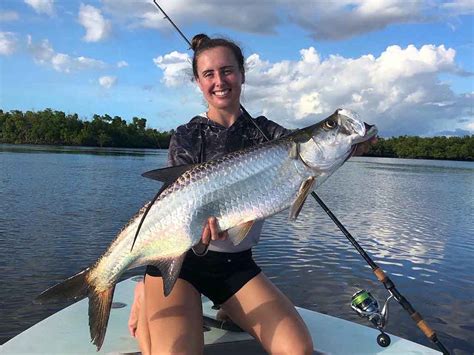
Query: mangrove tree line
(57, 128)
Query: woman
(226, 274)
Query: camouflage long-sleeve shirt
(202, 139)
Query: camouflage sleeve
(181, 150)
(272, 129)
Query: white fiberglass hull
(67, 332)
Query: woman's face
(220, 78)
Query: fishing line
(379, 273)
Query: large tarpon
(238, 189)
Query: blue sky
(406, 65)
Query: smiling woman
(227, 274)
(218, 67)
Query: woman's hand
(210, 232)
(139, 294)
(364, 147)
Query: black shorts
(216, 275)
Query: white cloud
(459, 7)
(176, 68)
(44, 54)
(399, 90)
(122, 64)
(323, 20)
(347, 18)
(259, 17)
(97, 27)
(8, 43)
(42, 6)
(107, 81)
(7, 16)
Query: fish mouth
(370, 131)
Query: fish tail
(100, 303)
(72, 288)
(77, 287)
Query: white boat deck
(67, 332)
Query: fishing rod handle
(415, 315)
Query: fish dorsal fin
(170, 268)
(238, 233)
(305, 189)
(169, 174)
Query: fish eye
(330, 124)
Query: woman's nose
(219, 78)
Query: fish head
(326, 145)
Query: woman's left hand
(364, 147)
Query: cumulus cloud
(8, 43)
(343, 19)
(107, 81)
(42, 6)
(44, 54)
(323, 20)
(8, 16)
(122, 64)
(259, 17)
(176, 68)
(399, 90)
(97, 27)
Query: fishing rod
(362, 302)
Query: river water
(60, 207)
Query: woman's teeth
(221, 92)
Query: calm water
(61, 207)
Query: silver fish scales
(238, 189)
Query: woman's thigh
(174, 322)
(266, 313)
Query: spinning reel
(366, 306)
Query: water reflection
(40, 149)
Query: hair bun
(198, 40)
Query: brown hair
(201, 42)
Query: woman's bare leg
(137, 322)
(266, 313)
(174, 322)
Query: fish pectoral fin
(170, 268)
(238, 233)
(305, 189)
(168, 175)
(294, 150)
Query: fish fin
(304, 191)
(294, 150)
(238, 233)
(170, 269)
(72, 288)
(77, 287)
(169, 174)
(99, 312)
